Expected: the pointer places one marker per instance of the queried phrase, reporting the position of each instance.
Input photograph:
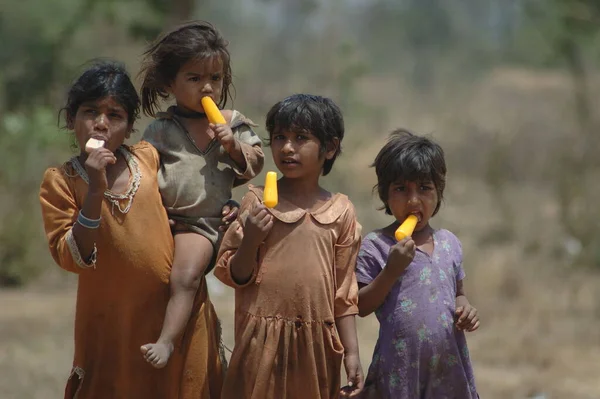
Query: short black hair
(409, 157)
(104, 78)
(309, 113)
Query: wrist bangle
(87, 222)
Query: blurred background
(508, 87)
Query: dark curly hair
(164, 58)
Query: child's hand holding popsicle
(219, 125)
(95, 164)
(407, 227)
(212, 111)
(260, 220)
(402, 254)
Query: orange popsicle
(212, 112)
(406, 228)
(270, 193)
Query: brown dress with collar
(286, 342)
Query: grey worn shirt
(195, 184)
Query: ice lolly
(270, 193)
(92, 144)
(406, 228)
(212, 112)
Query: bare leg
(193, 253)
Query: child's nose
(413, 197)
(207, 88)
(101, 121)
(288, 147)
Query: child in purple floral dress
(415, 286)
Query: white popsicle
(92, 144)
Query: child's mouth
(419, 216)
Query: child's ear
(332, 148)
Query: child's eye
(216, 78)
(89, 111)
(279, 137)
(301, 137)
(426, 187)
(399, 188)
(194, 79)
(115, 115)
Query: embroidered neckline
(116, 198)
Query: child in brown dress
(292, 267)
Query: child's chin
(421, 226)
(290, 173)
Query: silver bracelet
(87, 222)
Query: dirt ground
(513, 357)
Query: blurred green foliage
(29, 143)
(284, 46)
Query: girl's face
(298, 154)
(103, 119)
(409, 197)
(197, 79)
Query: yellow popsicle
(270, 193)
(406, 228)
(212, 112)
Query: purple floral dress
(419, 352)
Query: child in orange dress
(105, 222)
(292, 267)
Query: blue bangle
(87, 222)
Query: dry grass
(540, 316)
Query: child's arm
(258, 225)
(466, 314)
(59, 213)
(243, 146)
(224, 134)
(95, 166)
(71, 244)
(346, 298)
(237, 258)
(346, 327)
(372, 295)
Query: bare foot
(157, 354)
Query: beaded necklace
(134, 181)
